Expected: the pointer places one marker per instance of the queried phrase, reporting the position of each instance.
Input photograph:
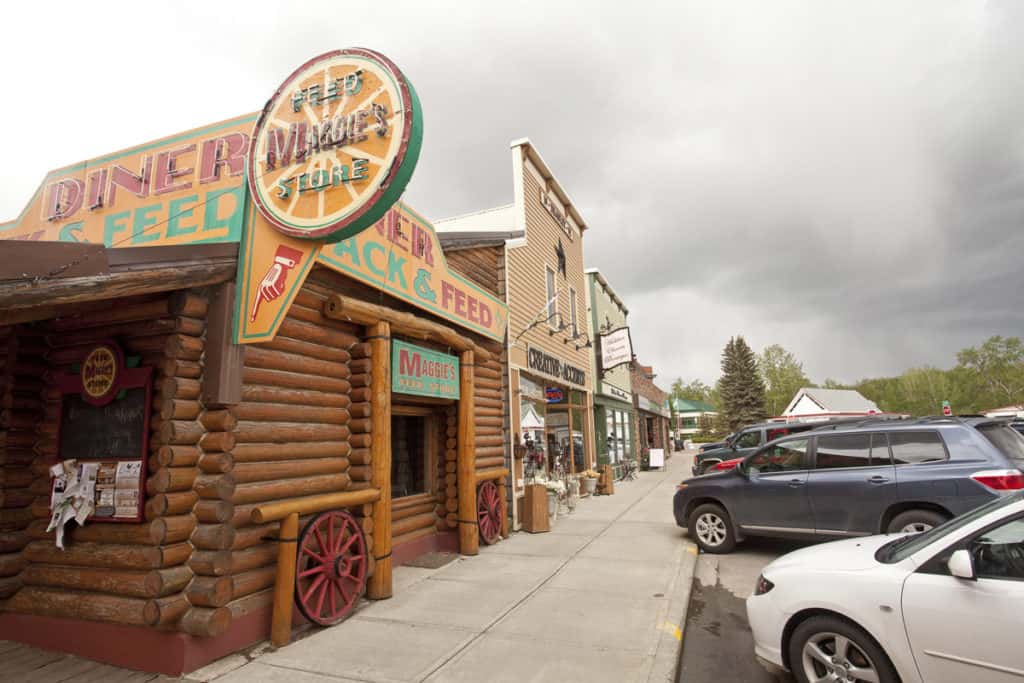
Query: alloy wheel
(831, 657)
(711, 529)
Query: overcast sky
(842, 178)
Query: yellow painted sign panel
(401, 255)
(184, 189)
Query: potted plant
(555, 489)
(645, 458)
(589, 478)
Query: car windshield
(1006, 439)
(905, 546)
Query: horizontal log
(486, 463)
(255, 393)
(491, 473)
(242, 515)
(61, 603)
(488, 402)
(213, 536)
(211, 562)
(170, 504)
(16, 498)
(451, 504)
(360, 395)
(11, 564)
(8, 587)
(218, 442)
(179, 387)
(298, 347)
(359, 410)
(287, 412)
(251, 603)
(168, 479)
(145, 533)
(205, 622)
(180, 409)
(360, 426)
(360, 440)
(266, 359)
(214, 511)
(173, 367)
(247, 583)
(179, 432)
(360, 472)
(361, 381)
(189, 303)
(115, 314)
(483, 421)
(412, 511)
(317, 334)
(484, 441)
(216, 463)
(247, 472)
(174, 456)
(487, 411)
(282, 432)
(11, 478)
(209, 591)
(313, 504)
(413, 535)
(130, 583)
(289, 488)
(13, 541)
(165, 611)
(177, 346)
(256, 452)
(174, 529)
(218, 421)
(252, 536)
(359, 456)
(489, 451)
(263, 555)
(214, 486)
(294, 380)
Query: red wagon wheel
(488, 512)
(330, 574)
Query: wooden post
(469, 537)
(572, 441)
(284, 584)
(379, 586)
(503, 496)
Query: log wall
(119, 572)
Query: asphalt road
(717, 644)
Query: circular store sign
(100, 374)
(335, 146)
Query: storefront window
(532, 426)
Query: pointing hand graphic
(273, 283)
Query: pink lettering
(136, 184)
(408, 364)
(214, 155)
(167, 170)
(485, 315)
(460, 302)
(422, 245)
(472, 315)
(65, 198)
(97, 186)
(447, 294)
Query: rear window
(911, 448)
(1006, 439)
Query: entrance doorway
(415, 444)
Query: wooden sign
(423, 372)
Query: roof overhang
(553, 185)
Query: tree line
(755, 386)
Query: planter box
(535, 509)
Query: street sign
(946, 409)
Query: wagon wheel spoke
(331, 567)
(348, 544)
(313, 586)
(318, 569)
(324, 589)
(307, 551)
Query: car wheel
(711, 528)
(826, 648)
(914, 521)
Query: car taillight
(728, 464)
(1000, 480)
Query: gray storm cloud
(845, 179)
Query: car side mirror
(961, 565)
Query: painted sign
(616, 348)
(183, 189)
(99, 374)
(554, 208)
(554, 395)
(549, 365)
(423, 372)
(616, 392)
(335, 146)
(402, 256)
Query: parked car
(746, 441)
(944, 605)
(857, 479)
(715, 444)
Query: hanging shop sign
(103, 437)
(423, 372)
(554, 209)
(184, 189)
(335, 146)
(616, 392)
(549, 365)
(616, 348)
(402, 256)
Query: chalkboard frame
(127, 378)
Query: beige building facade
(548, 354)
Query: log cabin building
(371, 409)
(549, 380)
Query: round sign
(335, 146)
(99, 373)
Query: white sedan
(944, 605)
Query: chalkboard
(115, 430)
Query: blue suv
(843, 480)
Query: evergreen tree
(741, 386)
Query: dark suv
(844, 480)
(747, 440)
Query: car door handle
(878, 479)
(796, 482)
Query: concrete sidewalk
(600, 598)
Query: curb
(673, 624)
